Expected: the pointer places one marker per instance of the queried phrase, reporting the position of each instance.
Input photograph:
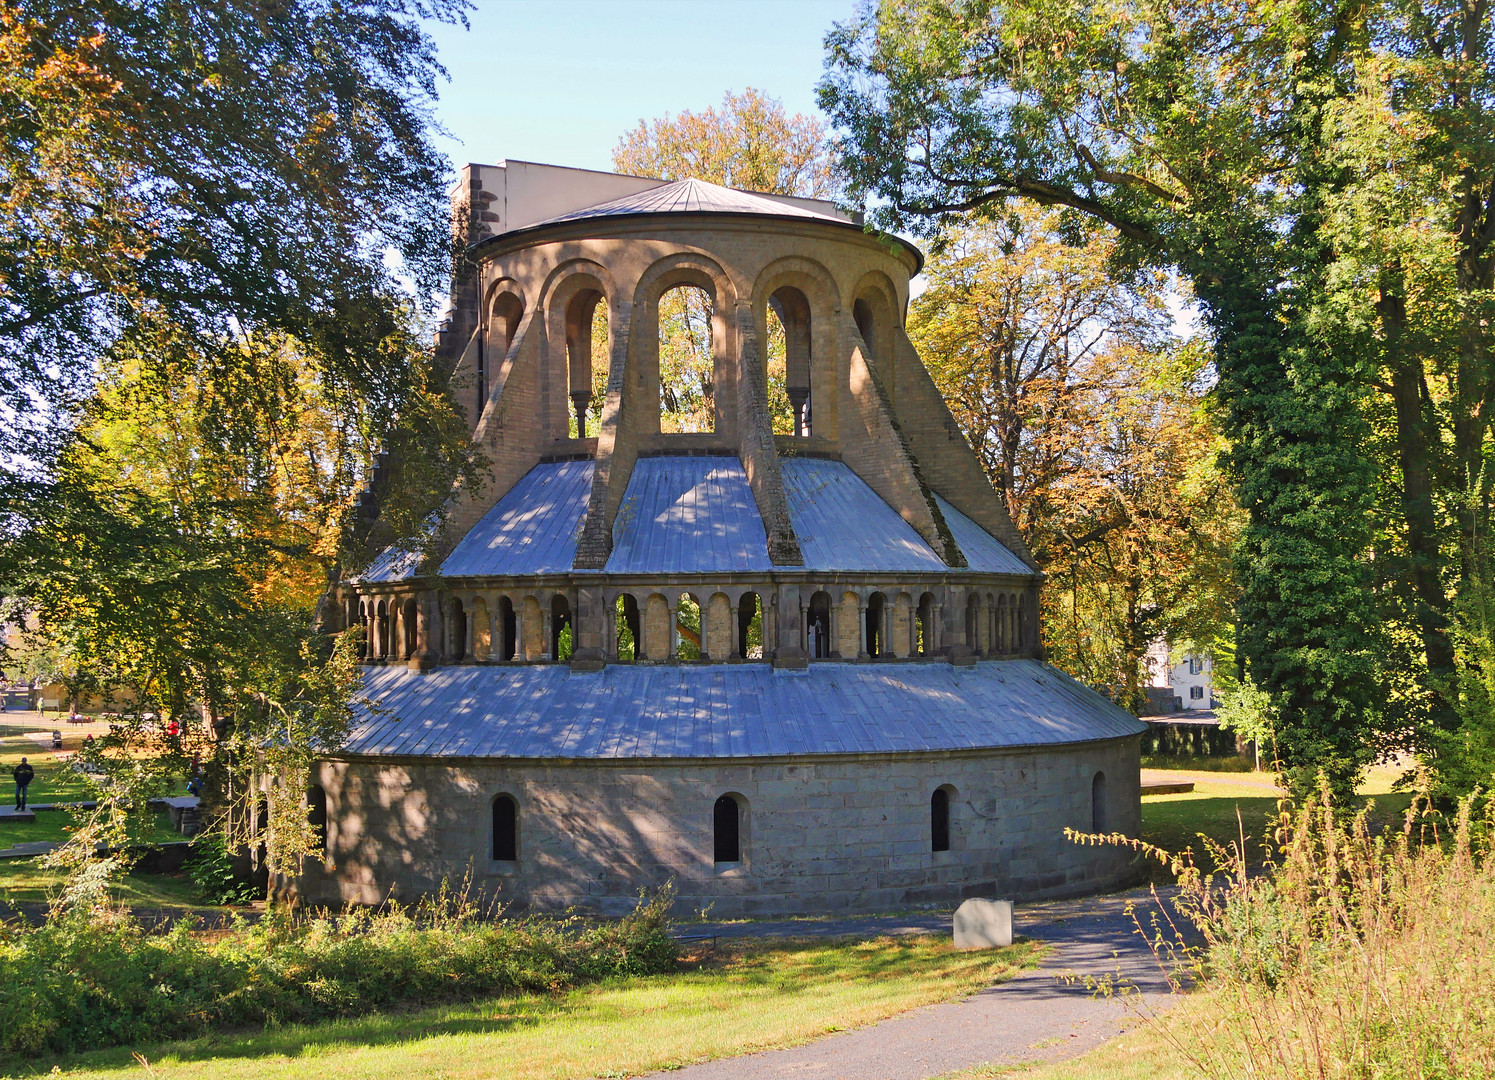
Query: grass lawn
(1223, 805)
(745, 997)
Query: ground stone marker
(983, 924)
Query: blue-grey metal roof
(395, 563)
(984, 552)
(688, 515)
(726, 711)
(693, 196)
(533, 529)
(842, 524)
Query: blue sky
(558, 81)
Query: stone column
(495, 629)
(470, 634)
(937, 614)
(674, 608)
(862, 627)
(834, 651)
(546, 631)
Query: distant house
(1187, 676)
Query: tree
(219, 168)
(205, 334)
(1089, 418)
(751, 144)
(1200, 141)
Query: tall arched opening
(788, 361)
(587, 359)
(687, 372)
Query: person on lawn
(23, 774)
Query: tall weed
(82, 981)
(1355, 954)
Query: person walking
(23, 774)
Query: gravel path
(1034, 1017)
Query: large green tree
(212, 218)
(1198, 135)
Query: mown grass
(738, 999)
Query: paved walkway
(1034, 1017)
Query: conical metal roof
(693, 196)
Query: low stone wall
(830, 833)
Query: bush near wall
(80, 982)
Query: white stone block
(983, 924)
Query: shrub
(81, 982)
(211, 870)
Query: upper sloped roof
(533, 529)
(842, 524)
(727, 711)
(693, 196)
(697, 515)
(984, 552)
(688, 514)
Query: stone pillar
(862, 653)
(427, 646)
(788, 628)
(674, 608)
(470, 634)
(546, 631)
(834, 649)
(935, 622)
(589, 631)
(495, 630)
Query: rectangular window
(1196, 692)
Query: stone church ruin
(794, 670)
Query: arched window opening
(688, 628)
(627, 629)
(750, 627)
(457, 625)
(877, 607)
(316, 814)
(560, 629)
(939, 819)
(1001, 635)
(687, 369)
(726, 830)
(1098, 816)
(505, 829)
(482, 631)
(926, 625)
(973, 622)
(587, 361)
(382, 622)
(818, 626)
(509, 627)
(502, 327)
(508, 309)
(410, 624)
(787, 352)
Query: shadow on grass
(785, 969)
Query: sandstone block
(983, 924)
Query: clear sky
(558, 81)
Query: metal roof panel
(984, 552)
(737, 711)
(688, 515)
(533, 529)
(842, 524)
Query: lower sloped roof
(726, 711)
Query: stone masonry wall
(828, 834)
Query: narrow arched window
(505, 829)
(1098, 803)
(726, 830)
(939, 820)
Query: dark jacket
(23, 773)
